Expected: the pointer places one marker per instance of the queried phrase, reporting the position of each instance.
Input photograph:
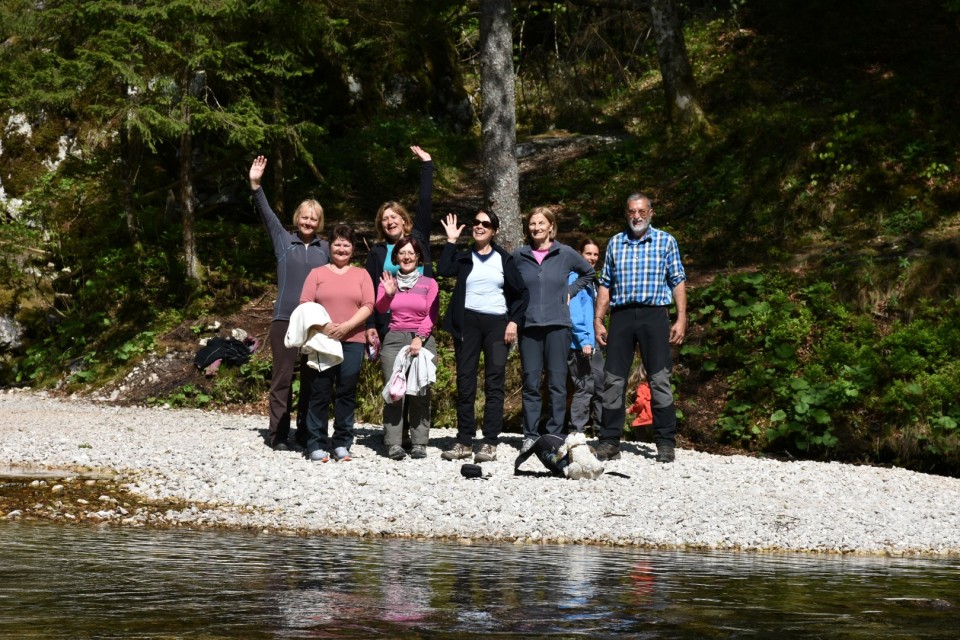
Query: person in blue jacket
(545, 266)
(298, 253)
(585, 361)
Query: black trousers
(482, 333)
(648, 327)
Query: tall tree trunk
(682, 106)
(277, 154)
(129, 168)
(498, 119)
(191, 258)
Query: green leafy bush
(809, 375)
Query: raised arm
(422, 219)
(256, 172)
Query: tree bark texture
(191, 259)
(498, 118)
(682, 106)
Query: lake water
(59, 581)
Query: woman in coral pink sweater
(346, 293)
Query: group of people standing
(544, 297)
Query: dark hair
(402, 242)
(586, 241)
(494, 218)
(345, 232)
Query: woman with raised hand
(413, 302)
(297, 254)
(585, 360)
(346, 293)
(393, 222)
(488, 302)
(545, 266)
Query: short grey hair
(637, 196)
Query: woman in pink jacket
(413, 302)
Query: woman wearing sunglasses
(488, 301)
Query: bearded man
(642, 275)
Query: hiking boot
(487, 453)
(665, 453)
(418, 452)
(278, 445)
(608, 451)
(319, 456)
(457, 452)
(396, 452)
(527, 444)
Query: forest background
(815, 201)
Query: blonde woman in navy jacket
(545, 266)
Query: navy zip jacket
(459, 264)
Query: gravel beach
(216, 465)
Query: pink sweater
(341, 294)
(416, 309)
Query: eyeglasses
(486, 224)
(642, 212)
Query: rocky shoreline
(188, 468)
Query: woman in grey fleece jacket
(545, 266)
(298, 253)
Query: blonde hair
(551, 217)
(398, 209)
(307, 206)
(638, 375)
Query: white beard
(639, 228)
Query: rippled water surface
(85, 582)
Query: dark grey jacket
(547, 283)
(294, 259)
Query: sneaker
(319, 456)
(396, 452)
(527, 444)
(457, 452)
(608, 451)
(665, 453)
(419, 452)
(487, 453)
(341, 454)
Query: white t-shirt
(485, 285)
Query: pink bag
(397, 386)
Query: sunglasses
(486, 224)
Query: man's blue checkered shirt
(643, 271)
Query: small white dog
(582, 463)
